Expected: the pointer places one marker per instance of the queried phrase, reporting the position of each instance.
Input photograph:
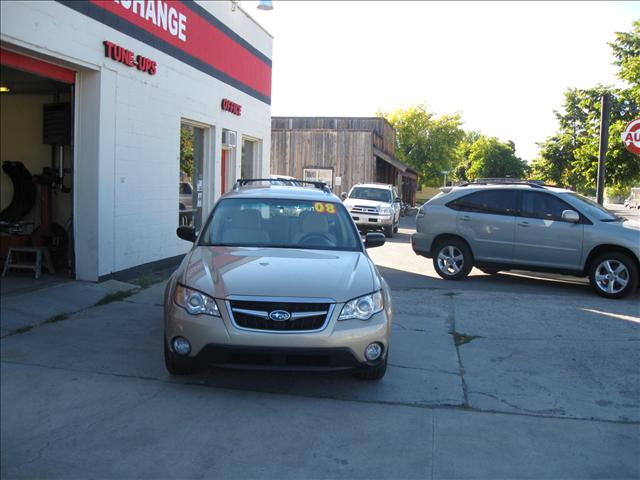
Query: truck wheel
(388, 231)
(613, 275)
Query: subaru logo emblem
(279, 316)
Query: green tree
(186, 150)
(626, 50)
(570, 156)
(490, 158)
(459, 172)
(426, 142)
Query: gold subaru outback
(278, 279)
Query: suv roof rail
(506, 181)
(278, 181)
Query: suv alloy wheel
(452, 259)
(613, 275)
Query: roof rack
(505, 181)
(277, 181)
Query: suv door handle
(523, 224)
(466, 218)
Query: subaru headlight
(385, 211)
(195, 302)
(362, 308)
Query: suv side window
(496, 202)
(542, 205)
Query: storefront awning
(390, 160)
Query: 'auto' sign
(631, 136)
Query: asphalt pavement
(499, 376)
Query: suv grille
(363, 209)
(255, 315)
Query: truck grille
(254, 315)
(363, 209)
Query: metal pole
(604, 142)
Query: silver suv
(374, 206)
(528, 226)
(278, 278)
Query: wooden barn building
(340, 151)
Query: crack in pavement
(446, 372)
(402, 327)
(419, 405)
(451, 323)
(546, 412)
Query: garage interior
(36, 183)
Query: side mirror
(186, 233)
(397, 200)
(374, 239)
(570, 216)
(344, 195)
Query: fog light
(373, 351)
(181, 346)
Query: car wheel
(373, 373)
(613, 275)
(452, 259)
(396, 227)
(176, 365)
(388, 231)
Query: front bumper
(372, 221)
(339, 345)
(269, 358)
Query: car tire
(373, 373)
(388, 231)
(397, 226)
(176, 365)
(613, 275)
(452, 259)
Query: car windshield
(593, 209)
(375, 194)
(274, 223)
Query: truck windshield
(275, 223)
(375, 194)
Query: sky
(504, 66)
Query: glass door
(191, 175)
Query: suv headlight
(195, 302)
(362, 308)
(385, 210)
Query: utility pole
(604, 143)
(445, 172)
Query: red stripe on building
(32, 65)
(203, 41)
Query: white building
(140, 84)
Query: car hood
(365, 203)
(277, 272)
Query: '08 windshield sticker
(320, 207)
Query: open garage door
(36, 154)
